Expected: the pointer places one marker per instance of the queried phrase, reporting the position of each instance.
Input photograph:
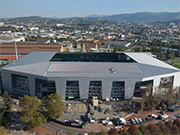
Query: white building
(84, 75)
(1, 24)
(11, 39)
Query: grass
(176, 65)
(176, 59)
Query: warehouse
(85, 75)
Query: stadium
(85, 75)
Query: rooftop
(52, 64)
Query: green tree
(54, 106)
(138, 49)
(169, 97)
(142, 106)
(7, 100)
(142, 128)
(32, 114)
(160, 55)
(3, 131)
(69, 132)
(137, 132)
(154, 101)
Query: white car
(109, 123)
(92, 121)
(153, 116)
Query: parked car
(140, 120)
(92, 120)
(136, 120)
(153, 116)
(125, 123)
(77, 121)
(164, 116)
(165, 120)
(133, 121)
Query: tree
(175, 130)
(154, 101)
(32, 114)
(142, 106)
(113, 131)
(137, 132)
(154, 130)
(7, 100)
(3, 131)
(164, 129)
(169, 97)
(124, 130)
(138, 49)
(177, 122)
(54, 106)
(132, 129)
(102, 132)
(142, 128)
(69, 132)
(160, 55)
(92, 133)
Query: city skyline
(66, 9)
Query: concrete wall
(106, 86)
(157, 79)
(84, 83)
(32, 85)
(176, 82)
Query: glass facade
(166, 83)
(95, 89)
(20, 85)
(72, 90)
(44, 87)
(1, 81)
(92, 57)
(117, 90)
(141, 86)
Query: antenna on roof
(16, 50)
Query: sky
(82, 8)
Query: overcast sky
(77, 8)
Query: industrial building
(85, 75)
(7, 50)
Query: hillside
(144, 17)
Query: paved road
(58, 127)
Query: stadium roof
(40, 63)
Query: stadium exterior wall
(60, 83)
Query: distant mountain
(148, 17)
(96, 16)
(75, 21)
(143, 17)
(30, 19)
